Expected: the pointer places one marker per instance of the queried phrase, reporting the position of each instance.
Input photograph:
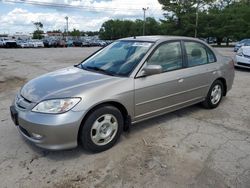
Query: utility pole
(67, 25)
(144, 19)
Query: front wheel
(101, 129)
(214, 95)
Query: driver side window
(168, 56)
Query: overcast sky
(87, 15)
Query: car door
(159, 93)
(201, 70)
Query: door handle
(180, 80)
(213, 71)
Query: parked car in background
(85, 44)
(35, 43)
(241, 43)
(61, 43)
(102, 43)
(243, 56)
(211, 40)
(22, 44)
(109, 42)
(131, 80)
(8, 43)
(50, 43)
(77, 43)
(1, 43)
(46, 42)
(69, 43)
(95, 43)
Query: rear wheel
(214, 95)
(101, 129)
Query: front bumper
(242, 61)
(49, 131)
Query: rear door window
(198, 54)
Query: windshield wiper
(81, 66)
(98, 70)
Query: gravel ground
(192, 147)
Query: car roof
(155, 38)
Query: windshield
(247, 43)
(119, 58)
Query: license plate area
(14, 115)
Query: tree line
(223, 19)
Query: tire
(102, 129)
(214, 95)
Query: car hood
(246, 50)
(68, 82)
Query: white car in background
(36, 43)
(241, 43)
(22, 44)
(8, 43)
(243, 57)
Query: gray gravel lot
(193, 147)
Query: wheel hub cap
(104, 129)
(216, 94)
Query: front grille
(244, 64)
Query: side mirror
(152, 69)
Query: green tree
(55, 31)
(75, 33)
(90, 33)
(137, 28)
(237, 23)
(38, 25)
(226, 21)
(115, 29)
(37, 34)
(152, 26)
(181, 15)
(223, 19)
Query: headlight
(55, 106)
(240, 52)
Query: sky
(85, 15)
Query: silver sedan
(129, 81)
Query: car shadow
(241, 69)
(56, 155)
(164, 118)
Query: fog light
(36, 136)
